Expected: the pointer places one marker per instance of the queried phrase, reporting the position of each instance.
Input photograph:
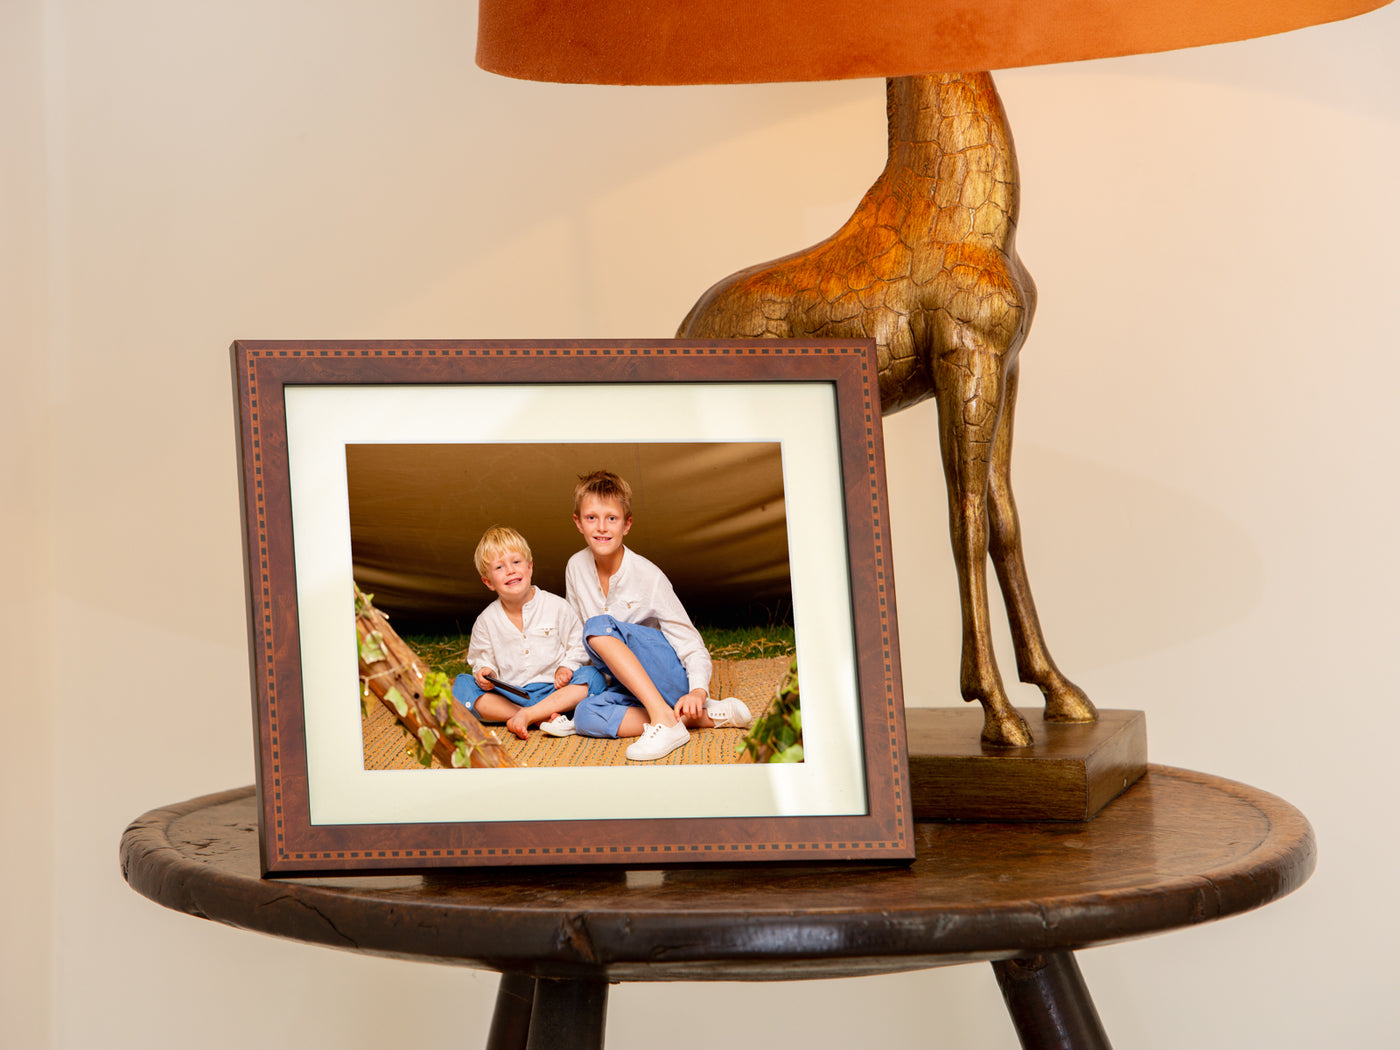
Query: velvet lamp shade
(754, 41)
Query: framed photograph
(372, 470)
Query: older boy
(527, 638)
(637, 631)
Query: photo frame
(313, 414)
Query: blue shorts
(601, 713)
(465, 689)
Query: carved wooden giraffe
(927, 267)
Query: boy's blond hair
(604, 484)
(498, 540)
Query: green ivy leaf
(437, 684)
(372, 648)
(395, 698)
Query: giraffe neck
(952, 162)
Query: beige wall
(1205, 457)
(26, 619)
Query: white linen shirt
(552, 638)
(639, 592)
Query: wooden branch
(392, 672)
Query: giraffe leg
(970, 394)
(1064, 701)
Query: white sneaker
(729, 713)
(559, 725)
(658, 741)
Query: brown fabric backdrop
(711, 515)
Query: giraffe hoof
(1066, 702)
(1006, 730)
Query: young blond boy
(636, 630)
(527, 638)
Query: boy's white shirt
(552, 638)
(640, 593)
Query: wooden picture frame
(300, 405)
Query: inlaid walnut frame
(284, 625)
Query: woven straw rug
(752, 681)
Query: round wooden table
(1177, 849)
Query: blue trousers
(465, 689)
(601, 714)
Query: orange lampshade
(747, 41)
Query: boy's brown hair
(498, 540)
(603, 484)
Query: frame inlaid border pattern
(291, 844)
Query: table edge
(592, 944)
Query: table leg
(568, 1015)
(1049, 1003)
(510, 1022)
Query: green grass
(441, 652)
(749, 643)
(448, 652)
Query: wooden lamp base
(1071, 771)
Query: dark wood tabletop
(1177, 849)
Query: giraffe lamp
(927, 265)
